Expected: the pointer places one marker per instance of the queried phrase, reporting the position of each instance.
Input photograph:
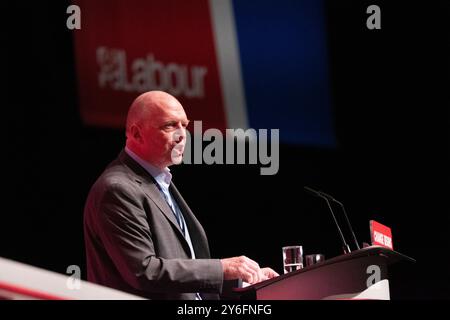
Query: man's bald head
(156, 123)
(147, 105)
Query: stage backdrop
(232, 64)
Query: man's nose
(180, 134)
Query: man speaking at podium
(140, 235)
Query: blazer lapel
(196, 231)
(153, 192)
(149, 187)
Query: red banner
(125, 48)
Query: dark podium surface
(361, 274)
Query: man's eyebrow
(170, 122)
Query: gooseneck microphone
(319, 194)
(345, 215)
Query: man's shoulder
(116, 187)
(116, 176)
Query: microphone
(320, 195)
(345, 215)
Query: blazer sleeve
(123, 229)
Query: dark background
(391, 105)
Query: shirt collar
(162, 176)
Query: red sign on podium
(381, 235)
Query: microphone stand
(345, 215)
(346, 247)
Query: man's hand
(269, 273)
(245, 269)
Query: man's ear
(136, 134)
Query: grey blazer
(133, 241)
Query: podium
(361, 274)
